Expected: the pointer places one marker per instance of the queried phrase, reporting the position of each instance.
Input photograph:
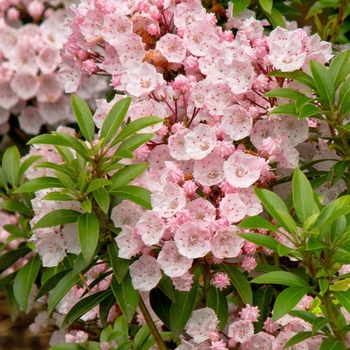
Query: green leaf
(121, 326)
(261, 240)
(24, 281)
(275, 18)
(161, 305)
(181, 310)
(301, 101)
(127, 297)
(40, 183)
(120, 266)
(287, 300)
(217, 301)
(302, 196)
(323, 81)
(239, 6)
(309, 110)
(15, 231)
(88, 233)
(136, 194)
(62, 288)
(125, 175)
(84, 305)
(240, 282)
(6, 281)
(149, 343)
(298, 338)
(62, 168)
(266, 5)
(288, 108)
(3, 179)
(285, 93)
(102, 198)
(84, 118)
(271, 202)
(281, 277)
(262, 298)
(57, 217)
(166, 286)
(67, 346)
(11, 165)
(343, 298)
(16, 207)
(51, 283)
(141, 337)
(57, 196)
(297, 75)
(336, 67)
(136, 126)
(104, 310)
(26, 164)
(344, 96)
(135, 141)
(114, 119)
(67, 181)
(257, 222)
(96, 184)
(9, 258)
(332, 344)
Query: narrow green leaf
(16, 207)
(161, 305)
(261, 240)
(135, 141)
(136, 126)
(343, 298)
(125, 175)
(9, 258)
(51, 283)
(102, 198)
(24, 281)
(127, 297)
(240, 282)
(11, 165)
(344, 96)
(114, 119)
(181, 310)
(288, 109)
(271, 202)
(239, 6)
(62, 288)
(88, 233)
(3, 179)
(302, 196)
(26, 164)
(121, 326)
(309, 110)
(167, 287)
(149, 343)
(15, 231)
(275, 18)
(342, 75)
(120, 266)
(57, 217)
(266, 5)
(298, 338)
(67, 346)
(217, 301)
(285, 93)
(83, 115)
(104, 310)
(257, 222)
(57, 196)
(335, 68)
(62, 168)
(287, 300)
(6, 281)
(40, 183)
(297, 75)
(323, 81)
(66, 181)
(262, 298)
(135, 194)
(141, 337)
(281, 277)
(301, 101)
(96, 184)
(84, 305)
(332, 344)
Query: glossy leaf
(136, 126)
(11, 165)
(285, 93)
(125, 175)
(104, 310)
(84, 118)
(275, 18)
(135, 141)
(336, 67)
(26, 164)
(121, 326)
(51, 283)
(240, 282)
(57, 196)
(57, 217)
(181, 310)
(3, 179)
(261, 240)
(298, 338)
(287, 300)
(239, 6)
(344, 98)
(88, 233)
(24, 281)
(309, 110)
(302, 196)
(138, 195)
(161, 305)
(167, 287)
(9, 258)
(6, 281)
(15, 231)
(149, 343)
(127, 297)
(281, 277)
(332, 344)
(262, 298)
(40, 183)
(84, 305)
(141, 337)
(16, 207)
(62, 168)
(323, 81)
(102, 198)
(114, 119)
(298, 75)
(257, 222)
(288, 108)
(344, 298)
(120, 266)
(266, 5)
(217, 301)
(96, 184)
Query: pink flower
(250, 313)
(226, 243)
(221, 280)
(172, 47)
(241, 331)
(150, 227)
(249, 263)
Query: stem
(151, 325)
